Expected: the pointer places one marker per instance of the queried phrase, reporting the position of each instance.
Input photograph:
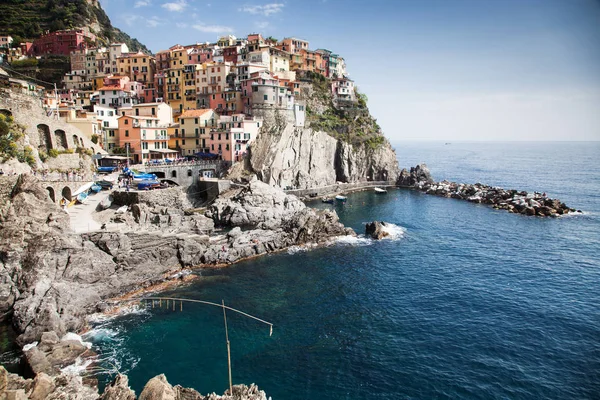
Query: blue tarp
(205, 156)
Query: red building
(230, 54)
(61, 42)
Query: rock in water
(376, 230)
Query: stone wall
(43, 132)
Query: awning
(163, 151)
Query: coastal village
(196, 101)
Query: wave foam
(77, 338)
(352, 241)
(78, 367)
(118, 311)
(301, 248)
(394, 232)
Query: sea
(461, 301)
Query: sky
(432, 69)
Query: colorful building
(194, 131)
(139, 67)
(62, 42)
(145, 138)
(232, 135)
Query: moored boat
(96, 188)
(106, 170)
(327, 200)
(339, 197)
(105, 184)
(380, 190)
(105, 203)
(148, 184)
(82, 197)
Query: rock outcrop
(69, 386)
(511, 200)
(51, 278)
(376, 230)
(286, 155)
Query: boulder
(118, 389)
(158, 388)
(376, 230)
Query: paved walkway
(81, 214)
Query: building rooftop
(194, 113)
(111, 87)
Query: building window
(127, 133)
(111, 134)
(183, 142)
(266, 97)
(126, 122)
(182, 132)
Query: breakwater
(511, 200)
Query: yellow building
(188, 97)
(138, 67)
(193, 133)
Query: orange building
(145, 138)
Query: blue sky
(433, 70)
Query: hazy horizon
(432, 70)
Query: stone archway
(75, 141)
(93, 151)
(66, 193)
(173, 174)
(81, 142)
(51, 193)
(189, 172)
(60, 138)
(44, 137)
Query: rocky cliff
(334, 145)
(51, 278)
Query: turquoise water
(465, 302)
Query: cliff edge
(335, 143)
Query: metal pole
(228, 349)
(127, 147)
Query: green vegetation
(10, 136)
(352, 123)
(82, 150)
(53, 153)
(94, 138)
(28, 19)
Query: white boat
(83, 189)
(339, 197)
(380, 190)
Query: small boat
(327, 200)
(104, 184)
(82, 197)
(339, 197)
(380, 190)
(96, 188)
(148, 185)
(105, 203)
(106, 170)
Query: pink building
(232, 136)
(61, 42)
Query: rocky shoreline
(52, 278)
(511, 200)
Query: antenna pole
(228, 349)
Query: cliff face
(330, 148)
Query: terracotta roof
(194, 113)
(112, 87)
